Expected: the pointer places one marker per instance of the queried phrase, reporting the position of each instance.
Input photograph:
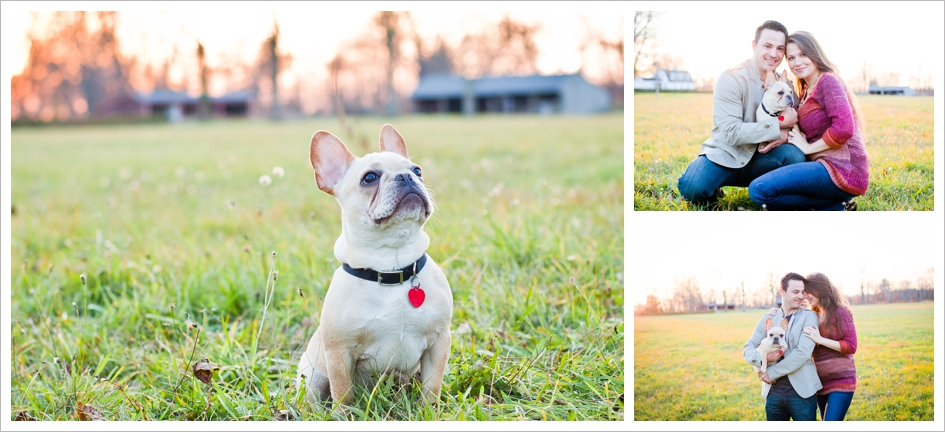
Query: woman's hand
(798, 138)
(814, 334)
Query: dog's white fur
(365, 328)
(779, 94)
(774, 340)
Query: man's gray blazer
(797, 363)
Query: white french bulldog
(389, 306)
(774, 341)
(779, 94)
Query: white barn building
(665, 80)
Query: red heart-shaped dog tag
(416, 296)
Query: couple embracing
(809, 158)
(815, 369)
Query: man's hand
(764, 148)
(774, 356)
(790, 118)
(764, 377)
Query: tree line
(76, 67)
(690, 295)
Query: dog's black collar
(766, 111)
(395, 277)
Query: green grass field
(669, 130)
(175, 233)
(690, 367)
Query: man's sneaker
(719, 194)
(849, 205)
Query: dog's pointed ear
(769, 79)
(783, 76)
(768, 323)
(391, 141)
(330, 158)
(784, 324)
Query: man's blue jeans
(834, 405)
(803, 186)
(791, 407)
(703, 177)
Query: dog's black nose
(403, 178)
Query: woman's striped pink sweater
(837, 370)
(828, 114)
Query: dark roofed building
(567, 94)
(891, 90)
(179, 105)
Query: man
(794, 381)
(731, 156)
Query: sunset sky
(312, 32)
(726, 248)
(901, 37)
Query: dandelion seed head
(82, 278)
(265, 180)
(278, 171)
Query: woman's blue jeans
(801, 186)
(834, 405)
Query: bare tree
(359, 84)
(687, 294)
(864, 77)
(273, 43)
(202, 65)
(642, 32)
(438, 61)
(74, 71)
(652, 306)
(396, 27)
(774, 287)
(744, 300)
(509, 48)
(925, 282)
(602, 61)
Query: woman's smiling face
(802, 66)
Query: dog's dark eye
(369, 178)
(780, 92)
(416, 171)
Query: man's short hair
(771, 25)
(789, 277)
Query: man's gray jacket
(797, 363)
(736, 132)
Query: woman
(836, 344)
(830, 135)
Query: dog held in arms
(389, 306)
(774, 341)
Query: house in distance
(665, 80)
(563, 94)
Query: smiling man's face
(769, 50)
(793, 297)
